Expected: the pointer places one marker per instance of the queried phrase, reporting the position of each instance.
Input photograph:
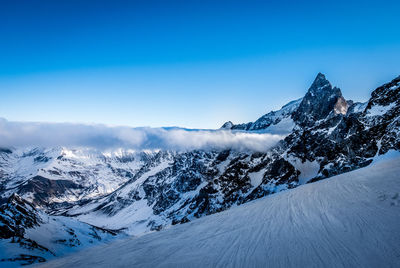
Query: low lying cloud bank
(21, 134)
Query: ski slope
(350, 220)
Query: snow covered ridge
(350, 220)
(18, 134)
(276, 121)
(135, 191)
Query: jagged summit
(320, 101)
(320, 82)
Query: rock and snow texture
(319, 102)
(341, 106)
(30, 236)
(72, 174)
(279, 122)
(145, 191)
(350, 220)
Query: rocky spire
(320, 83)
(320, 100)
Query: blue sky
(193, 64)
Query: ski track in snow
(350, 220)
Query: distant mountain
(135, 192)
(276, 121)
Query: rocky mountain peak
(320, 100)
(321, 85)
(320, 82)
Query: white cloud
(20, 134)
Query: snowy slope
(350, 220)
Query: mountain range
(348, 220)
(57, 200)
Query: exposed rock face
(44, 189)
(382, 115)
(347, 142)
(16, 215)
(341, 106)
(40, 236)
(318, 102)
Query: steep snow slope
(350, 220)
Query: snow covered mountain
(350, 220)
(275, 121)
(120, 191)
(320, 100)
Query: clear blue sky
(186, 63)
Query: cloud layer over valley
(22, 134)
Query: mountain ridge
(320, 99)
(140, 192)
